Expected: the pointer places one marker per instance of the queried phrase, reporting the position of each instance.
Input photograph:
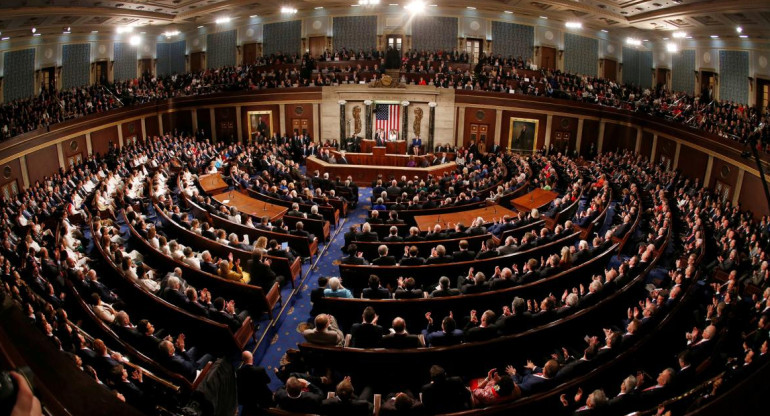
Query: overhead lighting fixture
(171, 33)
(679, 35)
(434, 5)
(124, 29)
(415, 6)
(739, 29)
(573, 25)
(672, 47)
(5, 38)
(94, 31)
(36, 34)
(222, 20)
(393, 4)
(368, 2)
(633, 42)
(200, 27)
(544, 17)
(605, 31)
(689, 37)
(288, 10)
(34, 30)
(134, 40)
(354, 5)
(471, 8)
(743, 36)
(318, 8)
(508, 12)
(254, 15)
(714, 36)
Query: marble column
(342, 121)
(368, 110)
(405, 121)
(431, 127)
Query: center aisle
(289, 331)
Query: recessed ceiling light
(508, 12)
(134, 40)
(605, 31)
(200, 27)
(743, 36)
(5, 38)
(573, 25)
(222, 20)
(645, 40)
(672, 47)
(544, 17)
(688, 37)
(254, 15)
(679, 35)
(354, 5)
(34, 30)
(739, 29)
(94, 31)
(288, 10)
(434, 5)
(665, 38)
(36, 34)
(319, 7)
(393, 4)
(471, 8)
(714, 36)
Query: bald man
(253, 391)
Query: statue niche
(356, 120)
(417, 121)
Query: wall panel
(14, 167)
(646, 147)
(19, 74)
(275, 119)
(506, 124)
(590, 136)
(220, 49)
(510, 39)
(125, 61)
(170, 57)
(565, 127)
(666, 149)
(42, 163)
(151, 126)
(581, 54)
(100, 140)
(204, 121)
(752, 196)
(482, 116)
(618, 138)
(692, 162)
(76, 65)
(683, 71)
(305, 112)
(733, 77)
(355, 32)
(282, 37)
(178, 122)
(225, 123)
(433, 33)
(724, 172)
(132, 129)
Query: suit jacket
(253, 387)
(400, 341)
(379, 293)
(445, 396)
(412, 261)
(384, 261)
(365, 335)
(353, 407)
(370, 236)
(466, 255)
(261, 275)
(355, 260)
(307, 402)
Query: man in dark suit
(384, 259)
(342, 160)
(393, 237)
(438, 256)
(463, 254)
(299, 231)
(621, 230)
(407, 289)
(261, 273)
(535, 378)
(207, 263)
(399, 338)
(412, 257)
(448, 334)
(180, 363)
(345, 402)
(298, 396)
(367, 334)
(440, 160)
(375, 291)
(366, 234)
(483, 329)
(444, 289)
(275, 250)
(253, 386)
(225, 313)
(354, 257)
(444, 394)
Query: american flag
(388, 117)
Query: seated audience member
(345, 402)
(375, 291)
(407, 289)
(336, 290)
(448, 334)
(401, 404)
(253, 386)
(298, 395)
(444, 394)
(443, 289)
(384, 259)
(366, 334)
(494, 389)
(326, 332)
(398, 337)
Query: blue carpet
(286, 334)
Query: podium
(396, 148)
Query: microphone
(495, 208)
(264, 207)
(438, 219)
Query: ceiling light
(318, 8)
(679, 35)
(739, 29)
(574, 25)
(416, 6)
(125, 29)
(288, 10)
(36, 34)
(714, 36)
(689, 37)
(633, 42)
(434, 5)
(354, 5)
(605, 31)
(94, 31)
(134, 40)
(5, 38)
(508, 12)
(672, 47)
(222, 20)
(544, 17)
(368, 2)
(34, 30)
(393, 4)
(743, 36)
(171, 33)
(254, 15)
(471, 8)
(200, 27)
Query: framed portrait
(722, 191)
(522, 134)
(260, 121)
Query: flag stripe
(388, 117)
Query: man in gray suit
(326, 332)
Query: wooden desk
(212, 183)
(364, 174)
(427, 222)
(249, 205)
(367, 145)
(398, 147)
(535, 199)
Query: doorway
(763, 93)
(396, 43)
(547, 57)
(661, 77)
(708, 85)
(478, 133)
(317, 45)
(101, 76)
(48, 78)
(145, 66)
(300, 125)
(610, 70)
(250, 54)
(473, 49)
(197, 61)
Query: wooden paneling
(225, 123)
(692, 163)
(317, 45)
(132, 129)
(564, 132)
(610, 69)
(752, 196)
(151, 126)
(547, 57)
(646, 147)
(42, 163)
(197, 61)
(74, 146)
(304, 112)
(14, 167)
(506, 124)
(177, 121)
(479, 116)
(307, 110)
(100, 140)
(725, 172)
(618, 137)
(666, 149)
(204, 121)
(590, 136)
(249, 53)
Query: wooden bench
(330, 213)
(396, 249)
(319, 228)
(355, 276)
(248, 296)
